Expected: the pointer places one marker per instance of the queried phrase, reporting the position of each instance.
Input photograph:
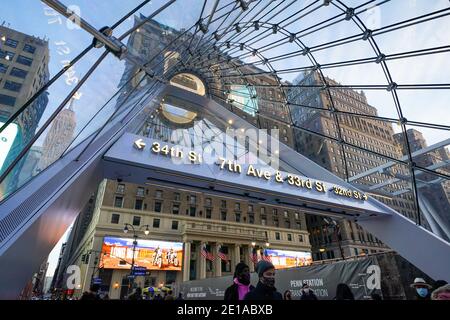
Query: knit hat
(239, 267)
(263, 266)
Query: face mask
(423, 292)
(244, 279)
(270, 282)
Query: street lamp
(135, 237)
(253, 243)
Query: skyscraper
(365, 132)
(434, 192)
(23, 71)
(59, 136)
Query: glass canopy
(359, 87)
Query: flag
(222, 255)
(266, 256)
(206, 254)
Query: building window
(176, 208)
(263, 210)
(11, 43)
(140, 192)
(138, 204)
(29, 48)
(208, 213)
(7, 100)
(19, 73)
(289, 237)
(285, 213)
(208, 202)
(276, 223)
(156, 223)
(287, 223)
(3, 68)
(263, 222)
(24, 60)
(223, 215)
(192, 211)
(300, 238)
(238, 217)
(299, 226)
(297, 215)
(250, 208)
(118, 202)
(275, 212)
(277, 236)
(174, 225)
(136, 221)
(158, 194)
(158, 206)
(120, 188)
(193, 199)
(12, 86)
(251, 218)
(237, 207)
(176, 196)
(223, 204)
(7, 55)
(115, 218)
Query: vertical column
(235, 256)
(217, 261)
(201, 262)
(186, 260)
(250, 263)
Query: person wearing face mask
(265, 289)
(307, 293)
(241, 283)
(421, 289)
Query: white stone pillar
(201, 262)
(250, 263)
(217, 261)
(235, 256)
(186, 261)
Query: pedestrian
(287, 295)
(241, 283)
(438, 284)
(307, 293)
(376, 296)
(169, 296)
(421, 289)
(136, 295)
(180, 296)
(265, 289)
(441, 293)
(92, 294)
(343, 292)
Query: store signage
(148, 255)
(250, 170)
(139, 271)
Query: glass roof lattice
(359, 87)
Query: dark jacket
(263, 292)
(90, 296)
(308, 296)
(232, 293)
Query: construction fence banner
(363, 276)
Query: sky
(66, 41)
